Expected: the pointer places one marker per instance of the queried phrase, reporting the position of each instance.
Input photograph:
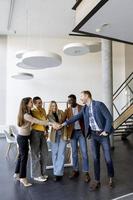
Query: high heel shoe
(25, 182)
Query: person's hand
(60, 126)
(104, 134)
(46, 135)
(56, 126)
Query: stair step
(123, 117)
(123, 132)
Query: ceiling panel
(40, 17)
(113, 20)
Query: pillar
(107, 72)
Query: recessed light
(98, 30)
(102, 27)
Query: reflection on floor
(70, 189)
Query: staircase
(123, 123)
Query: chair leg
(8, 149)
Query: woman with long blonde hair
(58, 141)
(25, 120)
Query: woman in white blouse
(25, 120)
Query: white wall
(74, 75)
(129, 70)
(128, 59)
(118, 64)
(118, 74)
(3, 50)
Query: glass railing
(123, 97)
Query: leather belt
(96, 132)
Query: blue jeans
(78, 137)
(96, 142)
(58, 155)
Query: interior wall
(3, 51)
(128, 71)
(118, 64)
(128, 59)
(72, 76)
(118, 75)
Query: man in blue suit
(98, 125)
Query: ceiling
(49, 18)
(109, 19)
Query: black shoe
(95, 186)
(74, 174)
(57, 178)
(87, 177)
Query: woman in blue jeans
(58, 141)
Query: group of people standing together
(75, 124)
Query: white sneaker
(40, 179)
(25, 182)
(45, 176)
(16, 176)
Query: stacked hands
(56, 126)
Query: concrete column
(107, 72)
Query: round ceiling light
(40, 60)
(19, 54)
(23, 76)
(77, 49)
(22, 65)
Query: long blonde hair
(22, 110)
(50, 107)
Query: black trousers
(23, 155)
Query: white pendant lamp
(23, 76)
(39, 60)
(77, 49)
(19, 54)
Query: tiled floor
(70, 189)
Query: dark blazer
(101, 114)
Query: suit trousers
(96, 142)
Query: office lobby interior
(52, 49)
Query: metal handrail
(120, 89)
(127, 104)
(123, 83)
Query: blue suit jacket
(102, 117)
